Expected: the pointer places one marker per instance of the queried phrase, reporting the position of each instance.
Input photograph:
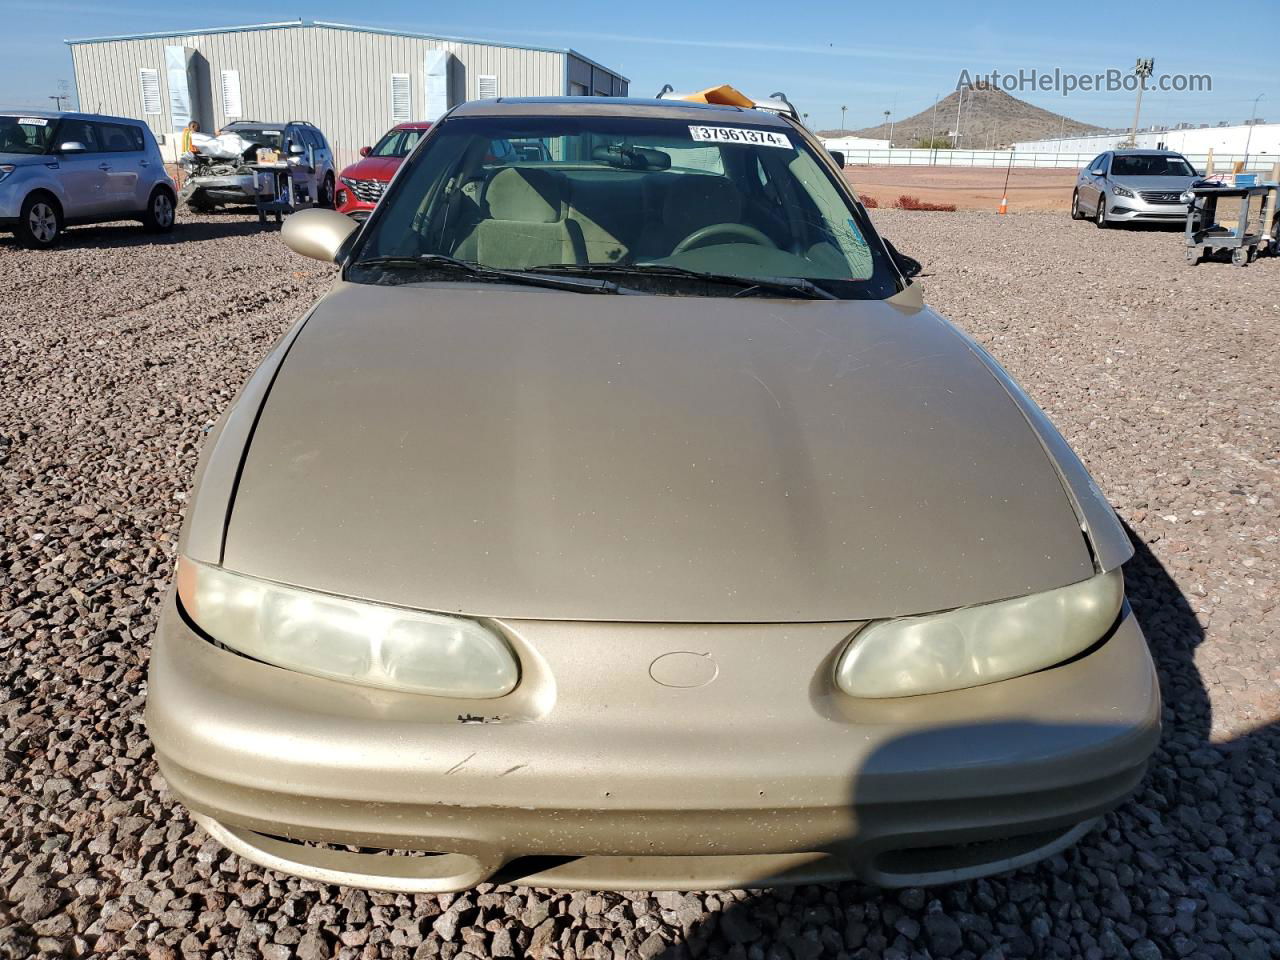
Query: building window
(401, 105)
(487, 86)
(150, 82)
(231, 106)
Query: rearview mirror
(365, 151)
(318, 233)
(838, 157)
(73, 146)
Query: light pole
(1253, 119)
(955, 143)
(842, 110)
(57, 101)
(1141, 70)
(886, 120)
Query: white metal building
(1262, 141)
(352, 82)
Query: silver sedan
(1128, 186)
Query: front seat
(526, 226)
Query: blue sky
(870, 57)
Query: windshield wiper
(440, 261)
(796, 286)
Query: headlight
(348, 182)
(977, 645)
(6, 169)
(1120, 191)
(328, 636)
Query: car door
(1100, 170)
(83, 173)
(125, 154)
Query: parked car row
(61, 169)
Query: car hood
(521, 453)
(26, 159)
(1156, 183)
(373, 168)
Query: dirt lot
(969, 188)
(117, 353)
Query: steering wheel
(702, 237)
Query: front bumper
(232, 188)
(765, 775)
(1137, 210)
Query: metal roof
(332, 25)
(612, 106)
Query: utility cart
(275, 191)
(1205, 233)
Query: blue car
(58, 169)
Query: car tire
(327, 192)
(40, 223)
(1100, 215)
(160, 214)
(1076, 213)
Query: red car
(362, 183)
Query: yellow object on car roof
(723, 94)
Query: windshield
(593, 194)
(25, 134)
(1150, 166)
(263, 136)
(397, 143)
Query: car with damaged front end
(623, 518)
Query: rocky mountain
(988, 118)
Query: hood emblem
(684, 669)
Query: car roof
(413, 125)
(70, 115)
(617, 107)
(1139, 152)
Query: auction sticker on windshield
(33, 121)
(759, 138)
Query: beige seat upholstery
(526, 225)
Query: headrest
(530, 196)
(697, 199)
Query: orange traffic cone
(1004, 205)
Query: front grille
(366, 190)
(1160, 196)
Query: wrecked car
(623, 518)
(219, 169)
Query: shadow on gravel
(1187, 867)
(126, 234)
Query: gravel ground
(117, 353)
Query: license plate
(743, 135)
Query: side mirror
(318, 233)
(72, 146)
(296, 149)
(365, 151)
(838, 157)
(909, 267)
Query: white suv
(58, 169)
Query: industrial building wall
(1264, 139)
(339, 79)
